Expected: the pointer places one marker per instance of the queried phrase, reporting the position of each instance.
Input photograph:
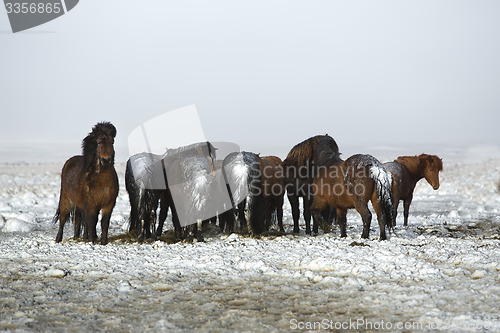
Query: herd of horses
(190, 182)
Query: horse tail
(255, 197)
(235, 173)
(383, 188)
(57, 215)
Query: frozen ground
(442, 272)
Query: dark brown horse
(271, 170)
(299, 173)
(351, 184)
(405, 172)
(89, 184)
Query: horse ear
(111, 129)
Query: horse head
(105, 149)
(432, 166)
(98, 146)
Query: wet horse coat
(351, 184)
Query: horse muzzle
(106, 161)
(435, 187)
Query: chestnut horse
(351, 184)
(299, 173)
(271, 170)
(405, 172)
(89, 184)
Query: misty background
(263, 74)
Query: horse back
(402, 183)
(329, 187)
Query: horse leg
(279, 214)
(222, 221)
(316, 213)
(91, 223)
(163, 215)
(366, 215)
(378, 210)
(407, 203)
(268, 208)
(106, 216)
(85, 228)
(242, 218)
(63, 217)
(77, 225)
(134, 213)
(307, 213)
(294, 203)
(342, 221)
(226, 221)
(331, 215)
(176, 222)
(395, 204)
(198, 230)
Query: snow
(441, 272)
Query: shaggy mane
(302, 153)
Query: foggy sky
(261, 73)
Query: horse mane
(89, 143)
(325, 154)
(302, 153)
(192, 149)
(414, 163)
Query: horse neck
(99, 170)
(412, 163)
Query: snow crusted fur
(242, 174)
(383, 187)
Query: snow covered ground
(442, 272)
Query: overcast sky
(262, 74)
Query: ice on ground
(17, 225)
(441, 272)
